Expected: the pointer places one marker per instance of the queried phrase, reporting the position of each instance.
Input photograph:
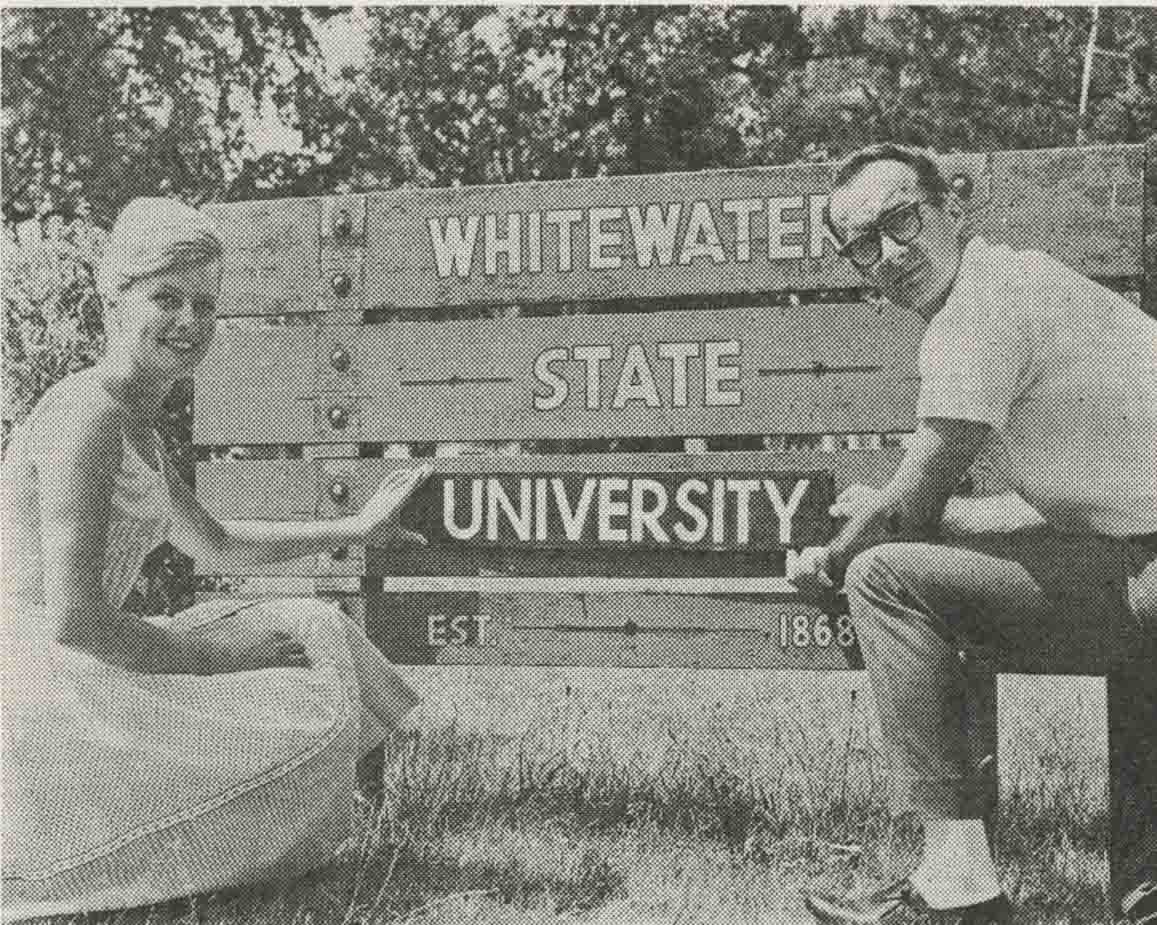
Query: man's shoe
(1140, 904)
(884, 905)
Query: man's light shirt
(1065, 372)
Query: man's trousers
(1034, 602)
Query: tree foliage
(103, 104)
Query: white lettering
(637, 382)
(600, 237)
(540, 486)
(519, 519)
(742, 209)
(654, 235)
(819, 233)
(687, 506)
(448, 509)
(785, 510)
(511, 245)
(609, 509)
(573, 521)
(559, 387)
(453, 247)
(718, 499)
(564, 220)
(702, 237)
(598, 353)
(678, 354)
(534, 242)
(744, 489)
(644, 517)
(779, 227)
(715, 374)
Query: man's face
(916, 275)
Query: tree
(991, 78)
(475, 95)
(103, 104)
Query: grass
(604, 796)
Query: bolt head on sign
(338, 417)
(343, 224)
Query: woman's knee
(311, 612)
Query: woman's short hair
(932, 181)
(153, 236)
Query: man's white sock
(957, 868)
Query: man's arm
(1006, 513)
(912, 505)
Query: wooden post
(1149, 230)
(1132, 703)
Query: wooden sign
(819, 368)
(670, 237)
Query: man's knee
(876, 570)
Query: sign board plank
(270, 371)
(808, 369)
(622, 629)
(290, 489)
(675, 237)
(617, 631)
(1090, 195)
(271, 256)
(285, 489)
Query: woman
(150, 759)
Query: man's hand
(809, 572)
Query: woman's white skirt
(122, 789)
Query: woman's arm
(75, 486)
(233, 544)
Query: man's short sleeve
(976, 353)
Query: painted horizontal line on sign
(817, 369)
(485, 584)
(460, 380)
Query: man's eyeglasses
(900, 223)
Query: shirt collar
(972, 274)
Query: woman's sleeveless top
(138, 522)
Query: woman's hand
(267, 649)
(378, 518)
(270, 650)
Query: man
(1055, 376)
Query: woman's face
(165, 322)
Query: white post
(1087, 76)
